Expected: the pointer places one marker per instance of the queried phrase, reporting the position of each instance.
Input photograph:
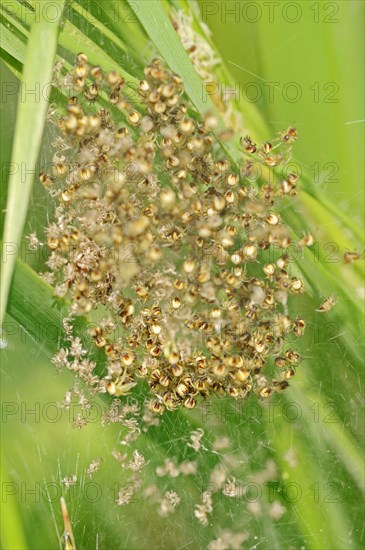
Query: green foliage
(42, 43)
(318, 418)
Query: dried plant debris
(327, 305)
(94, 466)
(128, 491)
(203, 510)
(195, 439)
(171, 469)
(228, 540)
(185, 262)
(351, 256)
(168, 503)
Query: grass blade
(12, 535)
(157, 25)
(11, 44)
(31, 116)
(32, 304)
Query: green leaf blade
(31, 115)
(157, 25)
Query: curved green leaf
(28, 135)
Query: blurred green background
(322, 53)
(302, 63)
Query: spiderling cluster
(164, 240)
